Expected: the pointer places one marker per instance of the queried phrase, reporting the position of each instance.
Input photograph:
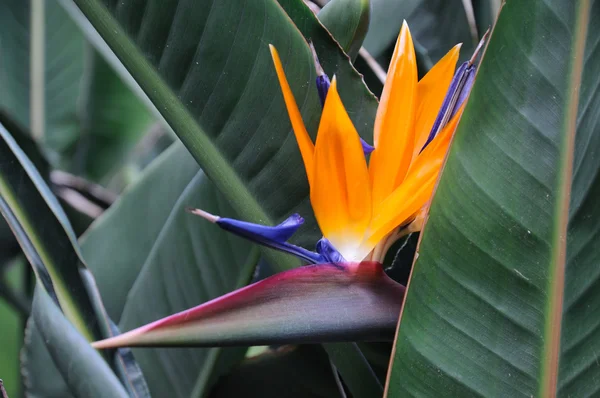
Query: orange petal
(417, 188)
(340, 191)
(394, 135)
(304, 141)
(431, 91)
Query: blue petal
(464, 93)
(458, 90)
(323, 84)
(273, 237)
(329, 252)
(367, 149)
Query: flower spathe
(362, 207)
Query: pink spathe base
(324, 302)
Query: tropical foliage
(288, 198)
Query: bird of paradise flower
(362, 208)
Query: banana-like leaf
(24, 200)
(111, 120)
(85, 131)
(436, 26)
(317, 303)
(166, 261)
(63, 69)
(348, 22)
(12, 330)
(85, 371)
(45, 236)
(503, 297)
(207, 68)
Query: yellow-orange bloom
(359, 205)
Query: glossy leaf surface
(85, 371)
(168, 260)
(49, 243)
(503, 296)
(348, 22)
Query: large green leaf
(12, 334)
(503, 297)
(92, 118)
(207, 68)
(151, 258)
(41, 378)
(64, 68)
(47, 239)
(85, 371)
(436, 26)
(111, 121)
(38, 221)
(348, 23)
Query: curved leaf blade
(172, 260)
(85, 371)
(49, 243)
(348, 23)
(56, 268)
(505, 277)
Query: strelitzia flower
(362, 206)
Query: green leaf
(92, 118)
(24, 200)
(355, 370)
(12, 333)
(436, 26)
(41, 378)
(348, 23)
(112, 120)
(63, 69)
(503, 296)
(168, 260)
(302, 372)
(45, 236)
(84, 370)
(211, 76)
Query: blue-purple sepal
(457, 94)
(367, 149)
(323, 84)
(329, 252)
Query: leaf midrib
(552, 327)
